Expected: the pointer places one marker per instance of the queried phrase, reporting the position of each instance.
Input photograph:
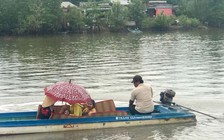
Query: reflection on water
(191, 63)
(101, 63)
(137, 133)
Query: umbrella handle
(63, 100)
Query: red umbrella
(68, 92)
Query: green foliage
(46, 16)
(137, 11)
(74, 20)
(30, 16)
(52, 15)
(188, 22)
(33, 21)
(215, 16)
(8, 16)
(148, 23)
(160, 22)
(207, 11)
(117, 17)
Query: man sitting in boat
(46, 108)
(143, 95)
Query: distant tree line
(210, 12)
(46, 16)
(30, 16)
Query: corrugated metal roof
(122, 2)
(67, 4)
(160, 6)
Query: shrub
(160, 22)
(188, 22)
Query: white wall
(122, 2)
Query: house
(66, 5)
(87, 7)
(155, 8)
(122, 2)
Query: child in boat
(89, 108)
(78, 110)
(73, 110)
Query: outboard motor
(166, 97)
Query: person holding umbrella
(46, 108)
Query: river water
(190, 63)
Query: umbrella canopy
(68, 92)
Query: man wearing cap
(142, 96)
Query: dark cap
(137, 78)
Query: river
(191, 63)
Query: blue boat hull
(26, 122)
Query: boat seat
(58, 108)
(107, 108)
(110, 113)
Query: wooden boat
(107, 116)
